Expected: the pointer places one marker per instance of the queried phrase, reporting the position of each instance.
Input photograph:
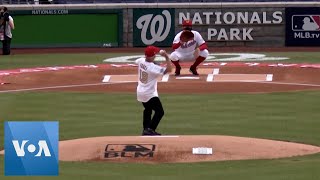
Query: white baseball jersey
(189, 46)
(148, 72)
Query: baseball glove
(186, 36)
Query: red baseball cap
(186, 22)
(151, 51)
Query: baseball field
(285, 109)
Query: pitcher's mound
(170, 149)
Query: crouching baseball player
(147, 92)
(194, 49)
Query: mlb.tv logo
(31, 148)
(306, 22)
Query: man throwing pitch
(147, 92)
(194, 49)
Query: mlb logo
(306, 22)
(31, 148)
(129, 151)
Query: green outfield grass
(290, 116)
(283, 116)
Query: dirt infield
(166, 149)
(173, 149)
(90, 80)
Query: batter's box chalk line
(216, 77)
(106, 78)
(210, 77)
(269, 77)
(213, 76)
(187, 77)
(165, 78)
(129, 78)
(215, 71)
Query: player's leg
(9, 46)
(202, 56)
(175, 59)
(6, 45)
(147, 113)
(158, 113)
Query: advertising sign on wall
(303, 26)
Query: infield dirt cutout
(245, 80)
(170, 149)
(167, 149)
(173, 149)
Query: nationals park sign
(158, 26)
(234, 25)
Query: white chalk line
(285, 83)
(65, 86)
(122, 82)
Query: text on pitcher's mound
(170, 149)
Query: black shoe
(177, 73)
(150, 132)
(156, 133)
(193, 70)
(147, 132)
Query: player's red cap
(151, 51)
(186, 22)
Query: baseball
(162, 51)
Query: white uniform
(186, 50)
(148, 72)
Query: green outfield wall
(67, 28)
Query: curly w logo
(153, 27)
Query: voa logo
(158, 25)
(42, 149)
(31, 148)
